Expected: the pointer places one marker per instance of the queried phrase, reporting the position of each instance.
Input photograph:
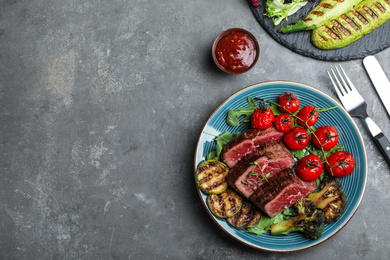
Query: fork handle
(384, 144)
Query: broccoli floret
(331, 198)
(309, 220)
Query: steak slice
(249, 174)
(281, 191)
(248, 141)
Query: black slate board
(299, 42)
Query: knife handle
(379, 137)
(384, 144)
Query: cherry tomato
(283, 122)
(296, 138)
(262, 118)
(289, 101)
(327, 136)
(341, 162)
(310, 167)
(308, 114)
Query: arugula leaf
(234, 114)
(265, 224)
(337, 148)
(221, 141)
(212, 155)
(299, 154)
(319, 179)
(275, 109)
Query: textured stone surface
(101, 105)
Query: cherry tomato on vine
(262, 118)
(308, 114)
(310, 167)
(283, 122)
(327, 136)
(289, 101)
(342, 163)
(296, 138)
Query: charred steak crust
(286, 182)
(273, 149)
(273, 187)
(247, 142)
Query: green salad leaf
(266, 222)
(281, 9)
(221, 141)
(234, 114)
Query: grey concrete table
(101, 106)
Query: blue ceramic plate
(354, 184)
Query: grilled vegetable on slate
(211, 177)
(325, 11)
(352, 25)
(309, 220)
(226, 204)
(249, 216)
(331, 198)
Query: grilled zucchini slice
(325, 11)
(352, 25)
(224, 205)
(211, 177)
(249, 216)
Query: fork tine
(336, 87)
(350, 84)
(345, 85)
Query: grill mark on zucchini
(317, 13)
(350, 22)
(248, 216)
(211, 177)
(360, 17)
(380, 7)
(338, 28)
(224, 205)
(331, 33)
(370, 12)
(327, 6)
(358, 21)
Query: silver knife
(379, 80)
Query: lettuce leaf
(281, 9)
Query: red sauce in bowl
(236, 51)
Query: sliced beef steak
(253, 170)
(281, 191)
(248, 141)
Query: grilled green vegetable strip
(211, 177)
(249, 216)
(352, 25)
(224, 205)
(325, 11)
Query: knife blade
(379, 80)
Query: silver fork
(356, 106)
